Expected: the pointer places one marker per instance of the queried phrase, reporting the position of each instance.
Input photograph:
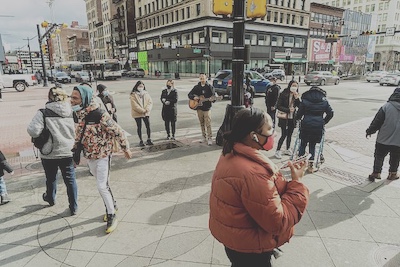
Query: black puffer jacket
(4, 166)
(312, 108)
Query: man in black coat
(271, 97)
(203, 111)
(312, 108)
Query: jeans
(240, 259)
(311, 148)
(101, 170)
(66, 166)
(381, 152)
(3, 189)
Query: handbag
(281, 115)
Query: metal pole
(41, 56)
(30, 56)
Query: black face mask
(169, 86)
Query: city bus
(104, 69)
(70, 67)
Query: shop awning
(292, 60)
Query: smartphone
(301, 159)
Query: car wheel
(20, 86)
(368, 81)
(381, 84)
(337, 82)
(322, 82)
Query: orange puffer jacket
(253, 209)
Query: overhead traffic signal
(256, 8)
(331, 38)
(223, 7)
(368, 32)
(187, 46)
(44, 49)
(159, 45)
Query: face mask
(169, 86)
(269, 142)
(293, 89)
(140, 88)
(105, 93)
(76, 108)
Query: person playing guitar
(204, 90)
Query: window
(367, 8)
(299, 42)
(177, 15)
(183, 13)
(172, 17)
(381, 39)
(301, 20)
(288, 3)
(288, 41)
(264, 40)
(380, 6)
(268, 15)
(198, 9)
(293, 19)
(372, 7)
(275, 16)
(287, 18)
(282, 3)
(281, 18)
(383, 28)
(218, 37)
(276, 40)
(294, 3)
(384, 17)
(188, 12)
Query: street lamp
(50, 28)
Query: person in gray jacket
(56, 152)
(387, 122)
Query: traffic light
(223, 7)
(159, 45)
(187, 46)
(256, 8)
(331, 38)
(368, 33)
(44, 49)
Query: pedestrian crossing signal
(223, 7)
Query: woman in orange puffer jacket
(253, 209)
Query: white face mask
(76, 108)
(293, 89)
(140, 88)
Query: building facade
(387, 15)
(185, 36)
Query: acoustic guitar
(194, 104)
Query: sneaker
(203, 140)
(393, 176)
(168, 137)
(105, 215)
(141, 143)
(173, 138)
(209, 142)
(310, 168)
(374, 176)
(5, 199)
(112, 223)
(44, 196)
(74, 212)
(149, 143)
(288, 152)
(278, 154)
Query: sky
(18, 19)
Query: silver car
(390, 79)
(321, 78)
(376, 76)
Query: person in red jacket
(253, 209)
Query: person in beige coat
(141, 105)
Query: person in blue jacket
(314, 112)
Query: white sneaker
(288, 152)
(203, 140)
(209, 142)
(278, 154)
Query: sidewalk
(163, 212)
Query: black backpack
(45, 135)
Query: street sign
(354, 34)
(390, 31)
(288, 53)
(196, 51)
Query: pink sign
(320, 51)
(346, 58)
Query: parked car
(82, 76)
(124, 72)
(390, 79)
(18, 81)
(376, 76)
(278, 73)
(321, 78)
(62, 77)
(222, 82)
(136, 73)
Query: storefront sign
(320, 51)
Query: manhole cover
(163, 146)
(388, 256)
(34, 166)
(344, 176)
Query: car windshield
(222, 75)
(315, 72)
(60, 74)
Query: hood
(395, 97)
(86, 94)
(314, 95)
(62, 108)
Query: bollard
(299, 78)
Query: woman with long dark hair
(253, 209)
(288, 101)
(141, 105)
(169, 99)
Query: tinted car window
(223, 75)
(257, 76)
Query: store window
(288, 41)
(299, 42)
(276, 40)
(264, 39)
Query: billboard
(320, 51)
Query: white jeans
(100, 168)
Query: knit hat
(86, 94)
(101, 88)
(57, 94)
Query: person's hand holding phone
(298, 169)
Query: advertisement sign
(370, 49)
(320, 51)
